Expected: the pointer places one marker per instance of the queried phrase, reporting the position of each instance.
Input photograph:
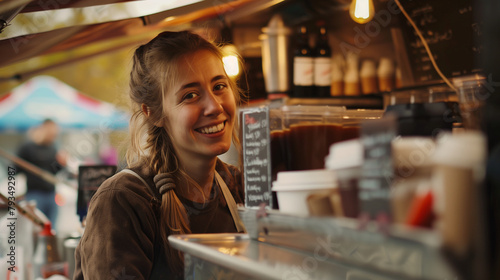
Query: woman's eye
(190, 95)
(220, 86)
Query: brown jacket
(121, 238)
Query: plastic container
(424, 111)
(423, 119)
(345, 160)
(431, 94)
(308, 132)
(408, 96)
(294, 187)
(442, 94)
(473, 91)
(352, 119)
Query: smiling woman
(184, 116)
(200, 115)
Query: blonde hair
(153, 74)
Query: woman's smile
(212, 129)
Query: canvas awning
(45, 97)
(132, 30)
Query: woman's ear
(145, 110)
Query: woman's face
(200, 110)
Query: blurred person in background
(40, 150)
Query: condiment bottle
(46, 260)
(337, 86)
(351, 76)
(368, 76)
(385, 73)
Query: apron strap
(131, 172)
(230, 203)
(225, 191)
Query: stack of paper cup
(293, 188)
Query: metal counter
(280, 246)
(236, 256)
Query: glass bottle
(303, 66)
(322, 64)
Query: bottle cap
(47, 230)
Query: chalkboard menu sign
(90, 177)
(256, 156)
(377, 169)
(450, 30)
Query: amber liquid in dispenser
(309, 143)
(278, 152)
(350, 132)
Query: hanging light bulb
(230, 60)
(362, 11)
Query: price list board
(255, 135)
(452, 33)
(90, 177)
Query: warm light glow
(169, 19)
(231, 61)
(362, 11)
(231, 65)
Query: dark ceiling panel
(43, 5)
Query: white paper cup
(294, 187)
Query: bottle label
(322, 71)
(303, 71)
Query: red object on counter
(47, 230)
(420, 213)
